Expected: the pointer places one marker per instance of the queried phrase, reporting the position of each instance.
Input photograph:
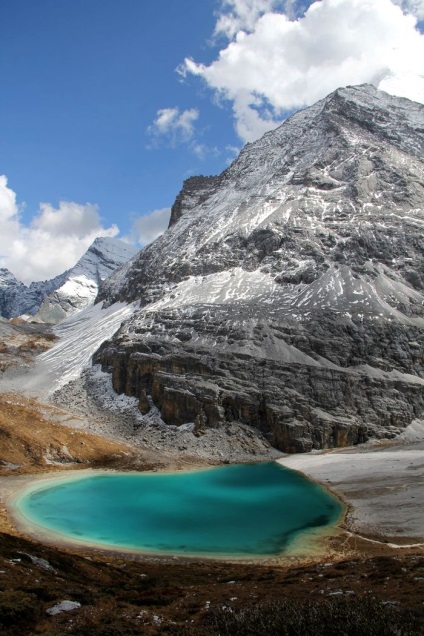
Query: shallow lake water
(239, 510)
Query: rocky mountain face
(17, 299)
(288, 292)
(80, 287)
(54, 300)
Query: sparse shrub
(43, 592)
(107, 622)
(386, 566)
(326, 618)
(159, 597)
(17, 606)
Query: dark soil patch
(376, 596)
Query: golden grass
(32, 442)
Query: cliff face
(195, 191)
(288, 292)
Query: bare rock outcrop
(288, 292)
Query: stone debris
(118, 416)
(63, 606)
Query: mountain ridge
(306, 257)
(287, 293)
(54, 300)
(277, 189)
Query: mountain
(54, 300)
(17, 299)
(80, 287)
(288, 292)
(8, 292)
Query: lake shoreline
(312, 543)
(373, 481)
(334, 470)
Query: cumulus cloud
(52, 243)
(173, 125)
(280, 57)
(237, 15)
(242, 15)
(416, 7)
(148, 228)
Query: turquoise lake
(238, 510)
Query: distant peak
(6, 275)
(353, 88)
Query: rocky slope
(81, 285)
(287, 293)
(54, 300)
(17, 299)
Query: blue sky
(113, 103)
(81, 83)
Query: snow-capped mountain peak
(54, 300)
(81, 285)
(288, 291)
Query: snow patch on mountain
(79, 337)
(54, 300)
(80, 289)
(231, 286)
(336, 182)
(338, 289)
(288, 291)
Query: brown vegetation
(31, 441)
(379, 596)
(21, 342)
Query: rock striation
(288, 292)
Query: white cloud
(148, 228)
(237, 15)
(273, 64)
(242, 15)
(173, 125)
(203, 151)
(416, 7)
(52, 243)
